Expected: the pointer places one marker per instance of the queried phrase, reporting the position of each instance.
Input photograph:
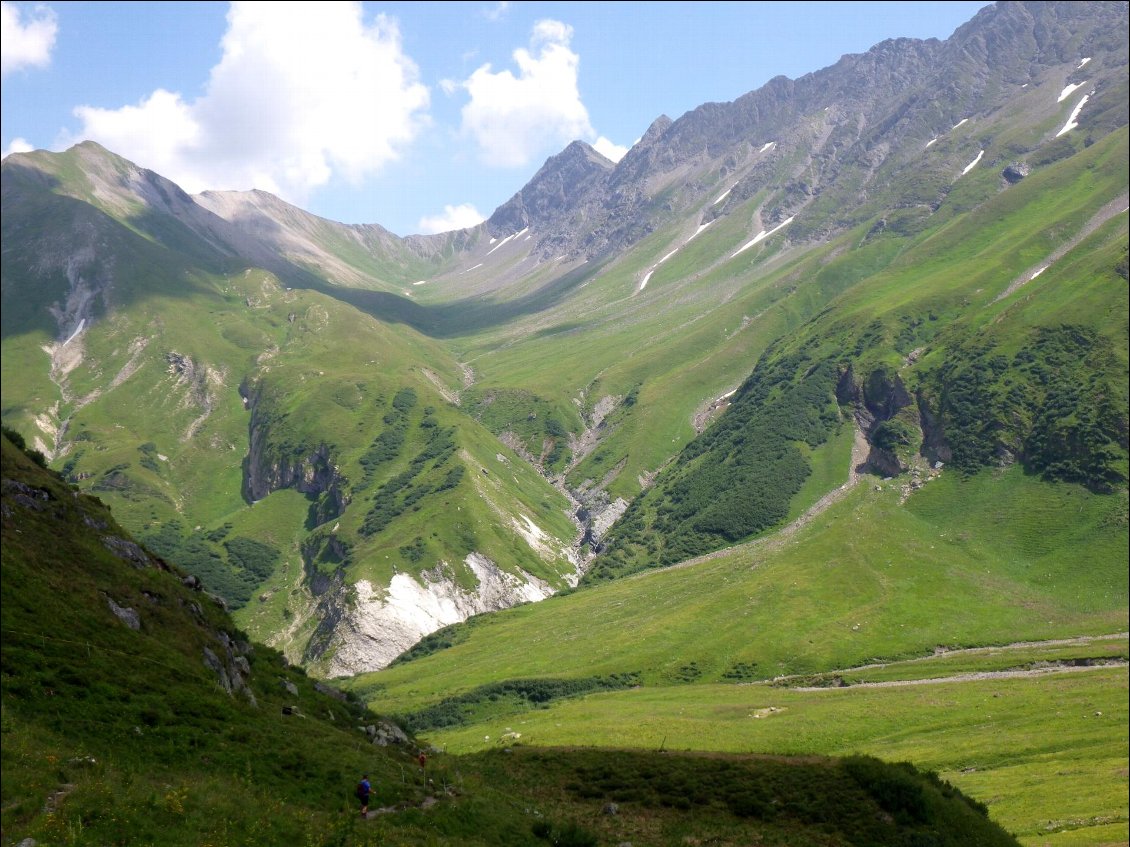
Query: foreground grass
(1047, 755)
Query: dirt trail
(1026, 673)
(859, 450)
(939, 652)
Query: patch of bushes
(18, 439)
(897, 789)
(398, 494)
(249, 563)
(1052, 406)
(738, 477)
(515, 693)
(415, 551)
(441, 639)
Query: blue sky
(417, 116)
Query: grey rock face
(863, 122)
(127, 550)
(125, 614)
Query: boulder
(125, 614)
(1015, 172)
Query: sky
(418, 116)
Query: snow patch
(767, 146)
(1082, 62)
(652, 269)
(723, 195)
(973, 164)
(421, 282)
(698, 232)
(520, 232)
(1071, 122)
(78, 329)
(959, 123)
(479, 265)
(931, 141)
(1037, 273)
(1069, 90)
(761, 236)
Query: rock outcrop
(373, 625)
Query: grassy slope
(704, 318)
(232, 326)
(988, 560)
(123, 735)
(937, 293)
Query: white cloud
(25, 44)
(609, 149)
(453, 217)
(303, 92)
(513, 118)
(497, 11)
(18, 145)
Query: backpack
(361, 792)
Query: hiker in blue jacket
(364, 789)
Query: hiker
(423, 760)
(364, 789)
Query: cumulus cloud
(609, 149)
(25, 43)
(462, 216)
(18, 145)
(303, 92)
(512, 118)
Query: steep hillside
(134, 711)
(186, 383)
(953, 355)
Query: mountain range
(873, 318)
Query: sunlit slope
(704, 317)
(993, 559)
(959, 349)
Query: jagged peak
(582, 149)
(657, 128)
(557, 183)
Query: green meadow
(874, 590)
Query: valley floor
(1036, 731)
